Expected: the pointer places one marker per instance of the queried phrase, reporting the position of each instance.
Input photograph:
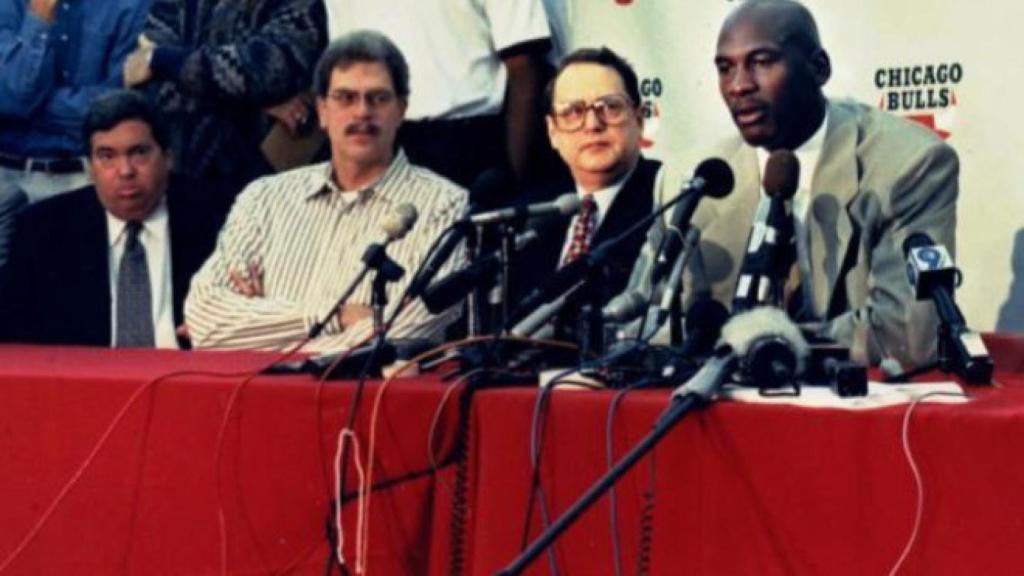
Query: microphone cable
(609, 435)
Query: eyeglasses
(613, 109)
(137, 156)
(372, 98)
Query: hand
(251, 287)
(182, 332)
(349, 315)
(295, 114)
(45, 10)
(137, 68)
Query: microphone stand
(508, 239)
(386, 271)
(695, 393)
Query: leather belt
(71, 165)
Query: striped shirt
(308, 239)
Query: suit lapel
(834, 186)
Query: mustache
(368, 128)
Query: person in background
(56, 57)
(109, 264)
(219, 69)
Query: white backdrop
(975, 74)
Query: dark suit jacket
(55, 289)
(541, 258)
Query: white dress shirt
(155, 236)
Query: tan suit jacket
(878, 179)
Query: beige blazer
(879, 178)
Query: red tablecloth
(147, 504)
(737, 489)
(759, 489)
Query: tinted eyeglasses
(612, 110)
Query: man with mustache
(867, 180)
(109, 264)
(478, 70)
(294, 241)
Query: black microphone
(490, 187)
(760, 347)
(445, 292)
(704, 321)
(566, 277)
(932, 274)
(564, 205)
(771, 248)
(713, 178)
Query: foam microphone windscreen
(400, 221)
(781, 174)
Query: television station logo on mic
(651, 89)
(924, 93)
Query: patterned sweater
(219, 63)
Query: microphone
(713, 177)
(675, 278)
(770, 249)
(933, 276)
(395, 225)
(448, 290)
(567, 276)
(399, 222)
(704, 321)
(624, 307)
(543, 314)
(564, 205)
(761, 347)
(456, 234)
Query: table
(148, 502)
(737, 489)
(759, 489)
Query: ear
(552, 131)
(821, 66)
(321, 112)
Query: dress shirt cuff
(167, 62)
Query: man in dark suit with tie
(110, 264)
(595, 122)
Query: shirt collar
(807, 153)
(399, 164)
(605, 196)
(154, 224)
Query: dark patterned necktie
(583, 230)
(134, 301)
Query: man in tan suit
(868, 180)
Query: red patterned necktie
(583, 230)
